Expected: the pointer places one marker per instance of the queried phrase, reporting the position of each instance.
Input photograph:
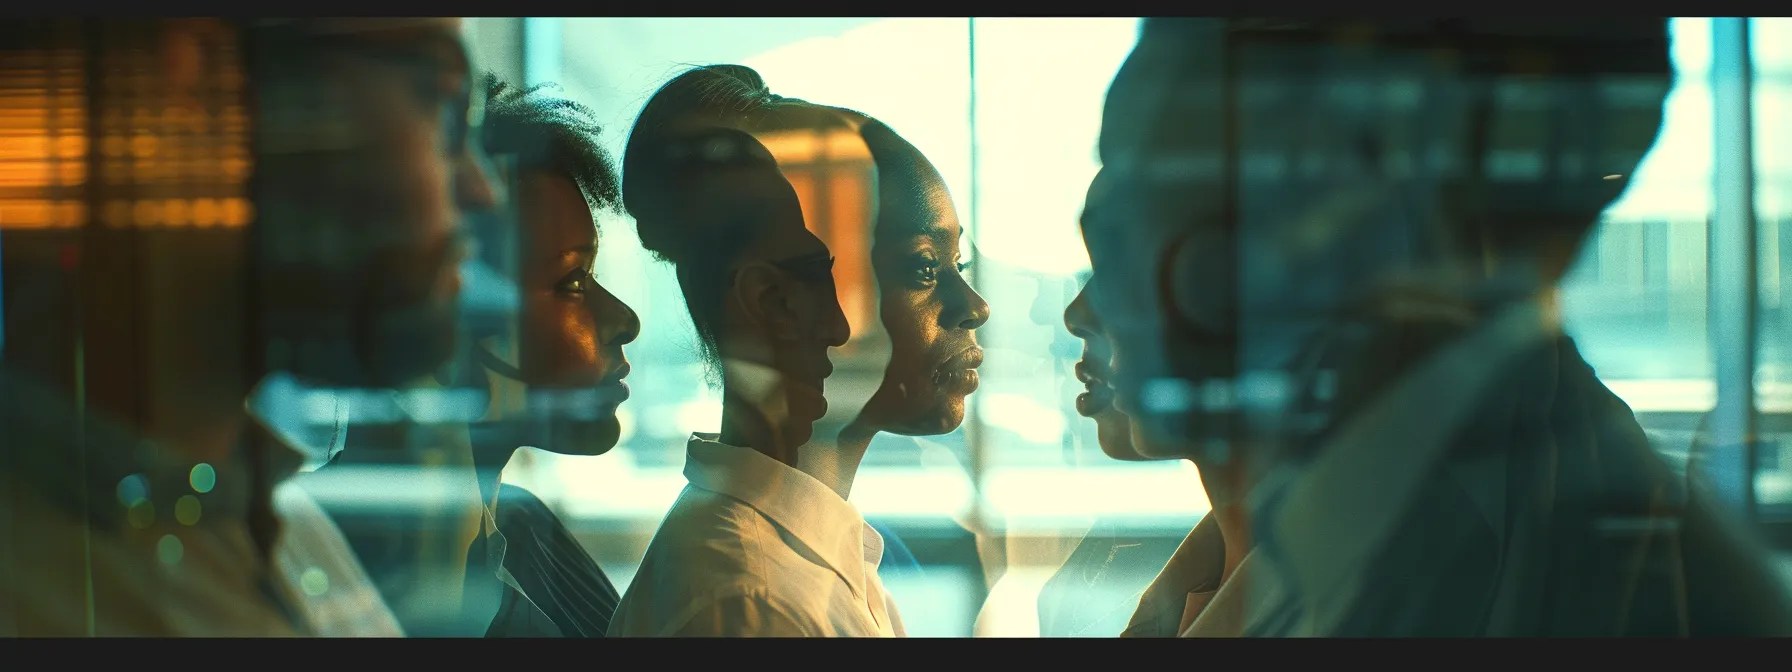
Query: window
(1008, 109)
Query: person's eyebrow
(935, 229)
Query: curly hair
(546, 132)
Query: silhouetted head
(1263, 179)
(925, 306)
(709, 198)
(364, 166)
(1113, 429)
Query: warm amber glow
(206, 212)
(804, 185)
(812, 146)
(143, 146)
(35, 147)
(169, 141)
(146, 213)
(849, 221)
(202, 212)
(40, 214)
(176, 212)
(834, 192)
(235, 169)
(114, 146)
(41, 174)
(238, 212)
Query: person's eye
(926, 269)
(577, 282)
(964, 266)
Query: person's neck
(1225, 484)
(488, 465)
(836, 463)
(469, 492)
(748, 425)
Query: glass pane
(1636, 300)
(1771, 104)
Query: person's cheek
(585, 352)
(571, 357)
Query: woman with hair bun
(764, 541)
(753, 547)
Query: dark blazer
(1571, 526)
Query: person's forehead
(911, 213)
(913, 201)
(1127, 200)
(435, 38)
(554, 210)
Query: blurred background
(1009, 110)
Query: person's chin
(1114, 432)
(585, 438)
(808, 406)
(1151, 449)
(941, 417)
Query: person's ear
(1197, 279)
(766, 298)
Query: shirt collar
(93, 464)
(812, 512)
(1195, 567)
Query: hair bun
(688, 130)
(668, 187)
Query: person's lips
(968, 359)
(959, 372)
(1099, 395)
(613, 389)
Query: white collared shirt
(755, 548)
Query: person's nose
(966, 310)
(839, 331)
(1078, 317)
(617, 323)
(475, 185)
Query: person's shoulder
(701, 518)
(518, 507)
(708, 543)
(530, 526)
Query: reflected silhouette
(481, 557)
(753, 546)
(1106, 586)
(1394, 323)
(147, 490)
